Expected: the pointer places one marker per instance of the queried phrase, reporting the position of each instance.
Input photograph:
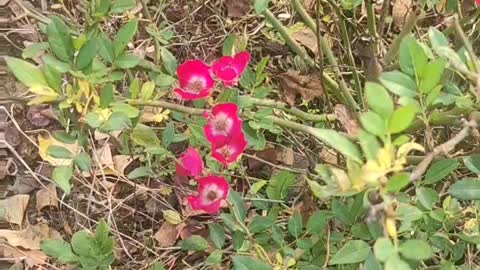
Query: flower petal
(220, 184)
(195, 80)
(231, 151)
(190, 163)
(228, 113)
(240, 62)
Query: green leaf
(342, 213)
(439, 170)
(194, 242)
(228, 45)
(432, 75)
(279, 184)
(427, 197)
(93, 120)
(260, 224)
(408, 212)
(338, 142)
(249, 263)
(64, 137)
(145, 136)
(217, 234)
(124, 35)
(397, 182)
(59, 66)
(466, 189)
(295, 225)
(169, 61)
(127, 109)
(238, 205)
(60, 40)
(378, 99)
(399, 83)
(59, 249)
(164, 80)
(214, 258)
(62, 175)
(158, 266)
(353, 251)
(54, 78)
(383, 249)
(126, 61)
(33, 50)
(105, 48)
(261, 6)
(83, 162)
(412, 56)
(437, 38)
(116, 121)
(416, 250)
(82, 243)
(373, 123)
(140, 172)
(369, 145)
(59, 152)
(372, 263)
(86, 54)
(317, 222)
(473, 163)
(402, 118)
(395, 263)
(106, 95)
(146, 92)
(120, 6)
(25, 72)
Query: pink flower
(231, 151)
(195, 80)
(211, 191)
(229, 69)
(190, 163)
(478, 2)
(223, 122)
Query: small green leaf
(395, 263)
(145, 136)
(261, 6)
(83, 162)
(164, 80)
(353, 251)
(402, 118)
(439, 170)
(249, 263)
(64, 137)
(317, 222)
(62, 175)
(238, 205)
(228, 45)
(168, 134)
(169, 61)
(427, 197)
(260, 224)
(279, 184)
(86, 54)
(473, 163)
(126, 61)
(33, 50)
(466, 189)
(337, 142)
(140, 172)
(116, 121)
(194, 242)
(342, 213)
(105, 48)
(412, 56)
(93, 120)
(106, 95)
(416, 250)
(432, 75)
(369, 144)
(25, 72)
(378, 99)
(120, 6)
(399, 83)
(372, 263)
(127, 109)
(59, 152)
(124, 35)
(214, 258)
(57, 65)
(408, 212)
(373, 123)
(82, 243)
(295, 225)
(59, 38)
(397, 182)
(437, 38)
(147, 91)
(383, 249)
(217, 234)
(59, 249)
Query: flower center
(196, 86)
(226, 151)
(221, 125)
(212, 195)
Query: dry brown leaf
(167, 235)
(23, 184)
(15, 255)
(36, 117)
(347, 119)
(30, 237)
(103, 157)
(237, 8)
(307, 38)
(121, 162)
(13, 208)
(99, 136)
(268, 154)
(285, 156)
(400, 11)
(46, 196)
(293, 84)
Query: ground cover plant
(213, 134)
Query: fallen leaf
(36, 117)
(400, 11)
(285, 156)
(103, 157)
(237, 8)
(167, 235)
(328, 156)
(293, 84)
(347, 119)
(30, 257)
(13, 208)
(307, 38)
(44, 142)
(121, 162)
(268, 154)
(30, 237)
(99, 136)
(47, 196)
(23, 184)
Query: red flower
(231, 151)
(211, 191)
(229, 69)
(195, 80)
(223, 122)
(478, 2)
(190, 163)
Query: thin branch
(467, 44)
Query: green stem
(155, 41)
(304, 14)
(371, 18)
(467, 44)
(395, 46)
